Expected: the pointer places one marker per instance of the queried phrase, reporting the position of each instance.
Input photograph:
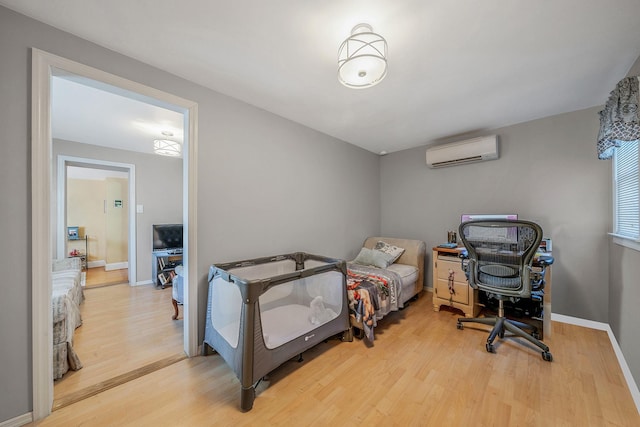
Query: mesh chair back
(500, 253)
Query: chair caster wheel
(546, 356)
(459, 326)
(490, 348)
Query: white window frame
(624, 239)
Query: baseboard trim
(143, 282)
(116, 266)
(94, 264)
(18, 421)
(631, 383)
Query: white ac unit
(467, 151)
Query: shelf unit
(73, 244)
(164, 261)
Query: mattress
(280, 324)
(408, 274)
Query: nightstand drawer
(460, 289)
(446, 262)
(446, 266)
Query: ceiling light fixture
(362, 58)
(167, 147)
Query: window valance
(620, 118)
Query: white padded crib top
(279, 325)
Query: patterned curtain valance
(620, 119)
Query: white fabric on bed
(73, 263)
(72, 285)
(408, 273)
(71, 314)
(66, 296)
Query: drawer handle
(452, 290)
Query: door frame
(43, 66)
(63, 161)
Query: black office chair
(499, 261)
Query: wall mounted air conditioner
(461, 152)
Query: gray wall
(624, 303)
(158, 189)
(265, 185)
(547, 172)
(624, 293)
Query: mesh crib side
(224, 322)
(245, 316)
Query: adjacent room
(362, 213)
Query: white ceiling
(454, 66)
(93, 115)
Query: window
(626, 191)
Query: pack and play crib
(265, 311)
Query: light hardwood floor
(421, 371)
(98, 276)
(124, 328)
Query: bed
(263, 312)
(67, 282)
(384, 277)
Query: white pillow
(372, 257)
(394, 251)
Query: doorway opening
(97, 197)
(44, 67)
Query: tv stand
(164, 261)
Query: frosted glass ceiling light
(167, 147)
(362, 58)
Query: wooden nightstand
(450, 285)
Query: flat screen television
(167, 236)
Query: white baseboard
(94, 264)
(18, 421)
(108, 267)
(116, 266)
(143, 282)
(631, 383)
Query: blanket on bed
(373, 293)
(66, 318)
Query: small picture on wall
(73, 233)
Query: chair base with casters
(501, 325)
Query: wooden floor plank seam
(114, 382)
